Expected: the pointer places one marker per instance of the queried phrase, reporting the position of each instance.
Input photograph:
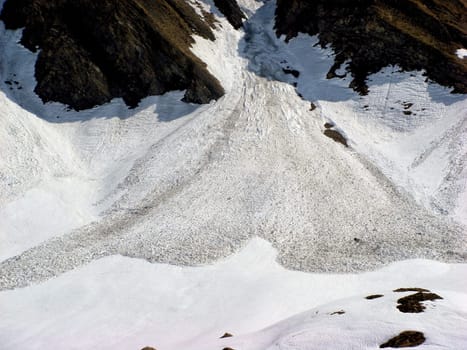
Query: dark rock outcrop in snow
(231, 11)
(406, 339)
(372, 34)
(93, 51)
(413, 303)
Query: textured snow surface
(119, 303)
(83, 193)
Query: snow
(461, 53)
(123, 303)
(423, 152)
(170, 224)
(66, 166)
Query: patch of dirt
(405, 340)
(226, 335)
(336, 136)
(148, 348)
(328, 125)
(374, 296)
(413, 303)
(93, 51)
(373, 34)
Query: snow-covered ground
(81, 194)
(123, 303)
(414, 131)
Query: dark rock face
(93, 51)
(406, 339)
(413, 303)
(373, 34)
(231, 11)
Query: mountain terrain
(247, 175)
(92, 52)
(372, 34)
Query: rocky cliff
(231, 11)
(93, 51)
(372, 34)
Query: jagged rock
(93, 51)
(373, 34)
(231, 11)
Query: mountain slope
(104, 212)
(373, 34)
(91, 52)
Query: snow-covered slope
(122, 303)
(177, 183)
(413, 130)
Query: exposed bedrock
(93, 51)
(372, 34)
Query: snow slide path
(253, 164)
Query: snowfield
(123, 303)
(170, 224)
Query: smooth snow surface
(83, 193)
(120, 303)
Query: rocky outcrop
(372, 34)
(231, 11)
(93, 51)
(406, 339)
